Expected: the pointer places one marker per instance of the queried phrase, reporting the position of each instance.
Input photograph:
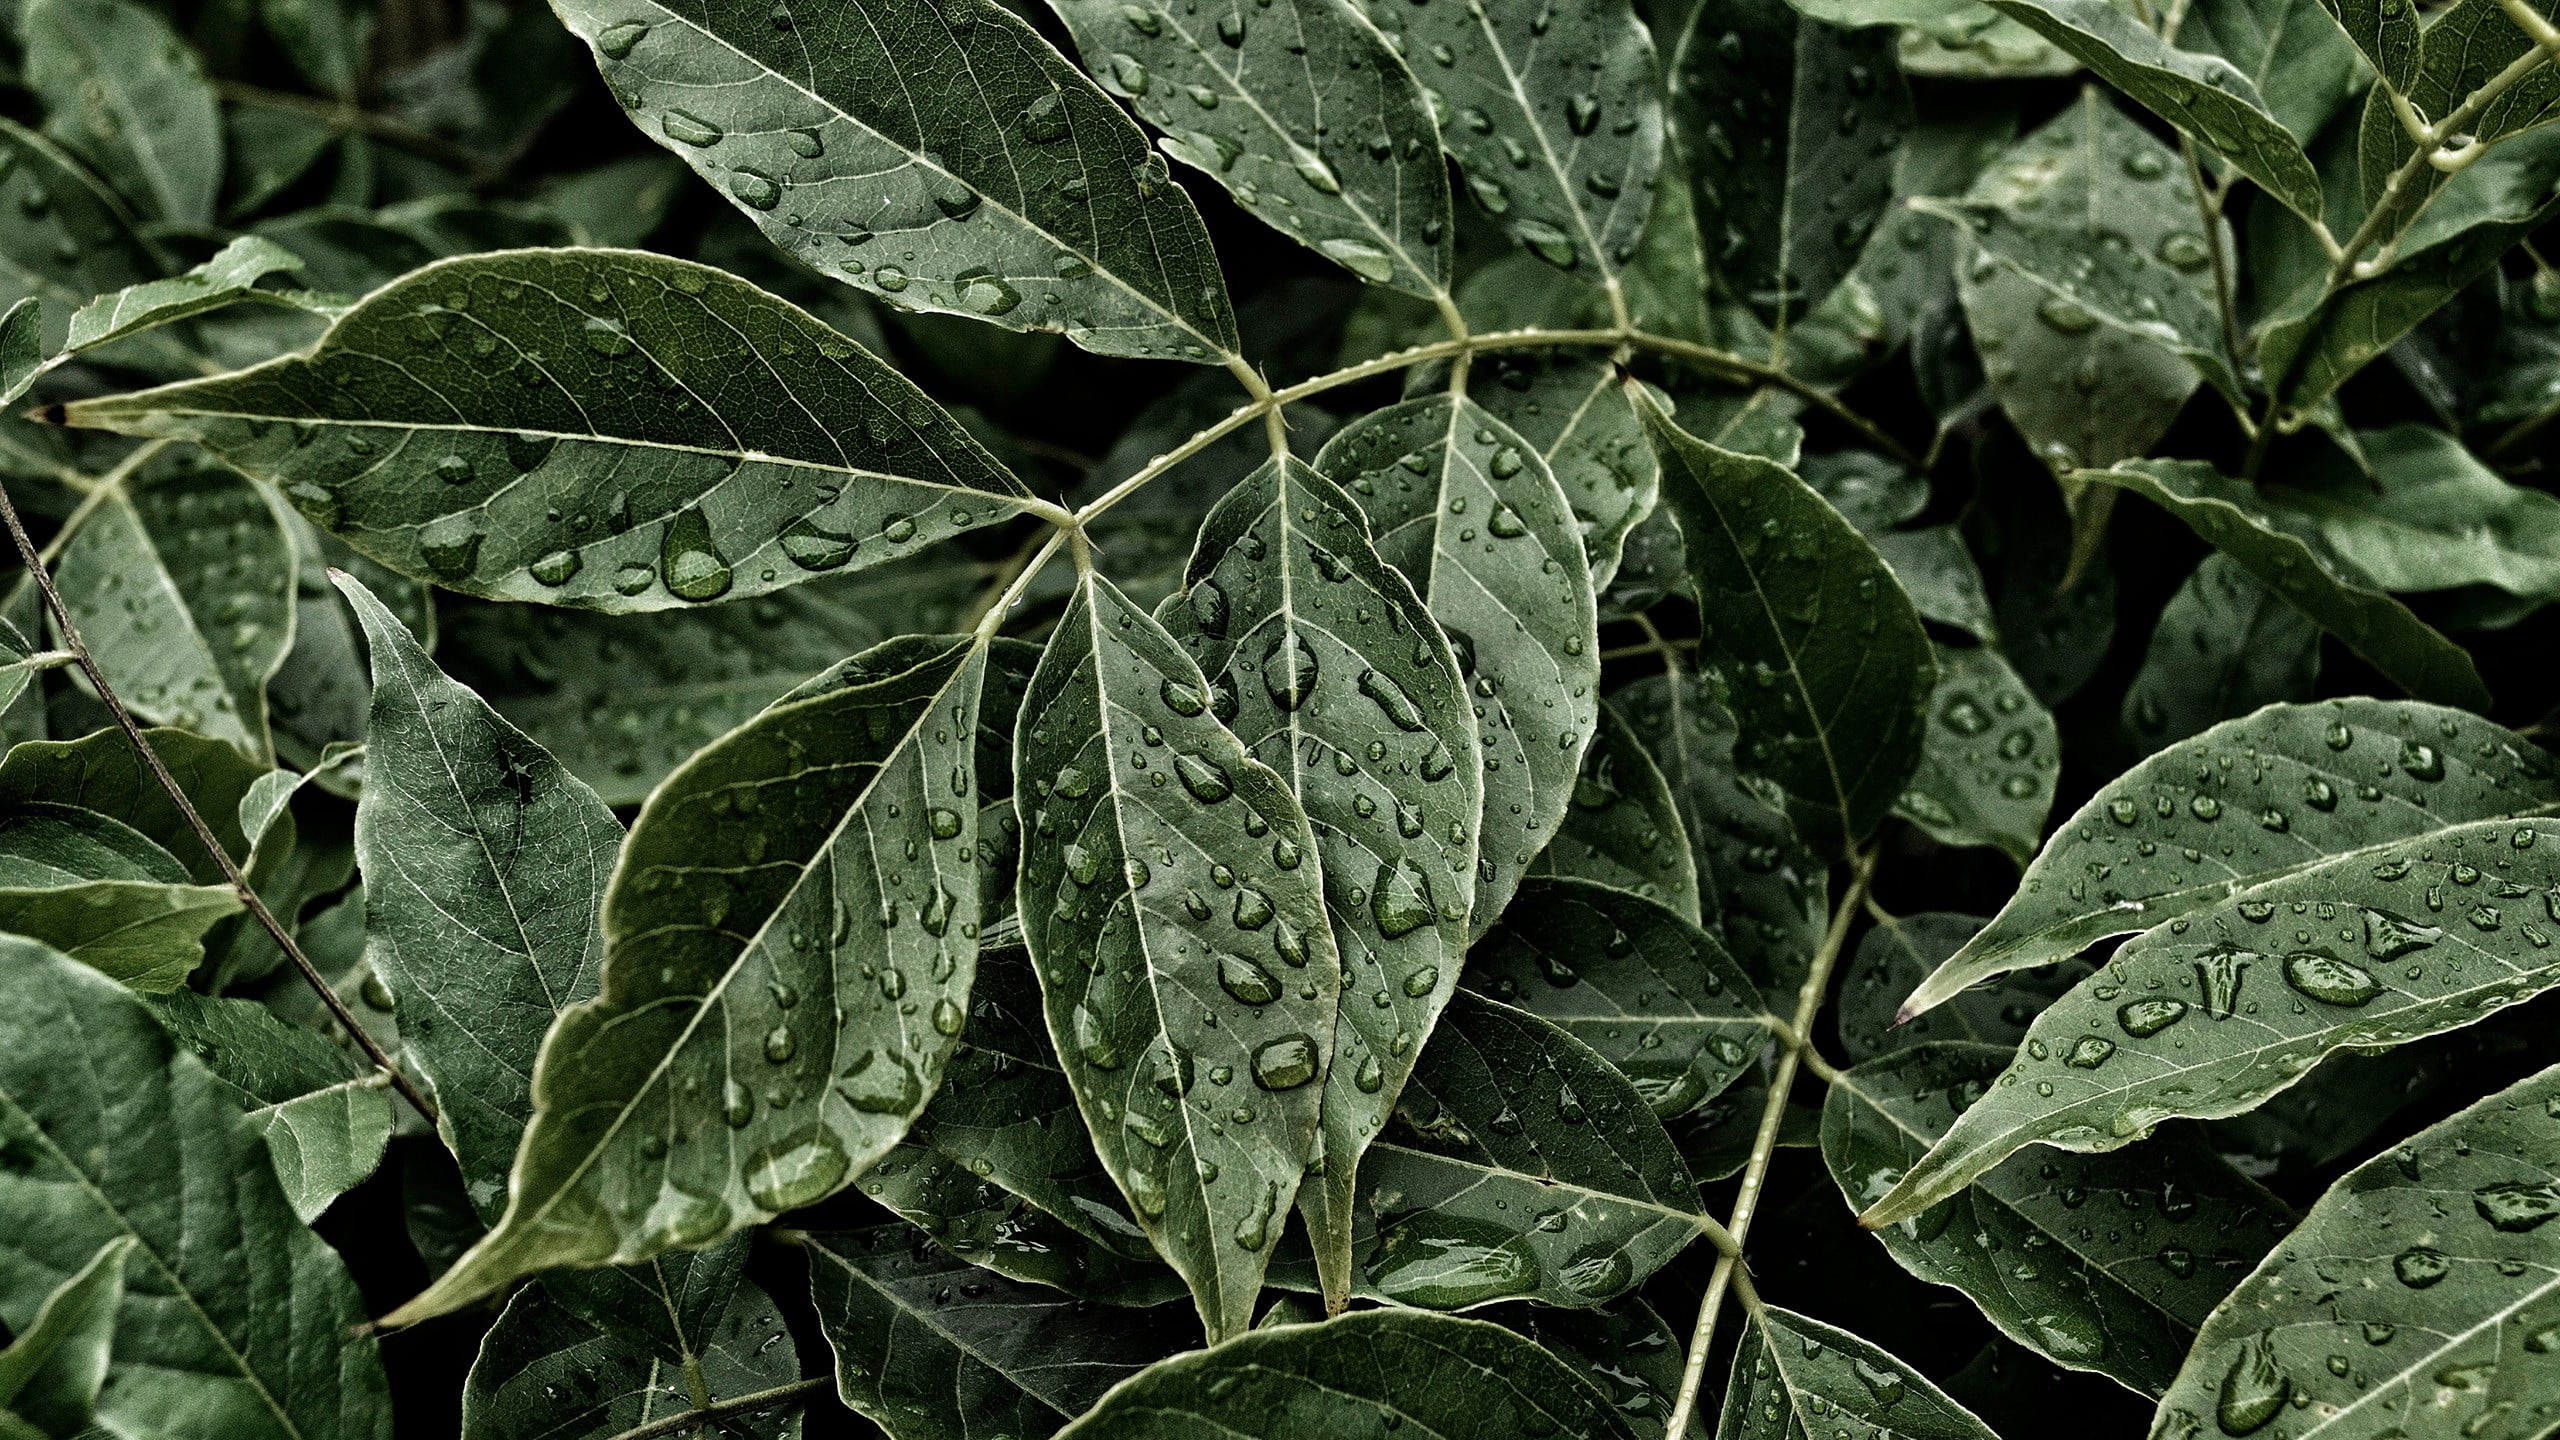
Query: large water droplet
(1400, 899)
(2254, 1390)
(2321, 975)
(795, 1171)
(688, 128)
(1285, 1063)
(1247, 981)
(690, 564)
(1289, 671)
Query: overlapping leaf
(101, 892)
(1329, 668)
(49, 1375)
(1793, 1375)
(1990, 759)
(600, 428)
(992, 179)
(1471, 514)
(2349, 1331)
(1898, 953)
(1194, 1030)
(123, 90)
(2207, 1015)
(1571, 409)
(2225, 646)
(2284, 789)
(2123, 1299)
(765, 890)
(325, 1115)
(1624, 827)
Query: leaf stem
(249, 896)
(2209, 210)
(698, 1420)
(1755, 1171)
(991, 619)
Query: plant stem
(1755, 1171)
(697, 1421)
(2209, 210)
(990, 619)
(249, 896)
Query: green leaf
(708, 1087)
(2386, 33)
(2460, 51)
(2430, 517)
(1467, 509)
(1624, 827)
(937, 1349)
(2287, 556)
(2204, 96)
(1793, 1375)
(976, 1220)
(695, 437)
(1302, 112)
(49, 1375)
(1759, 888)
(22, 350)
(67, 236)
(1525, 1166)
(236, 1316)
(104, 894)
(484, 865)
(1990, 759)
(1795, 127)
(325, 1115)
(1816, 639)
(231, 275)
(1562, 155)
(124, 91)
(2044, 374)
(1897, 954)
(101, 772)
(623, 699)
(2225, 646)
(2121, 1299)
(1571, 409)
(992, 180)
(2401, 939)
(2357, 1289)
(553, 1368)
(1126, 840)
(1627, 1350)
(2320, 781)
(1651, 993)
(2100, 216)
(1462, 1379)
(2304, 68)
(1332, 672)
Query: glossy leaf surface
(1624, 827)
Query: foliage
(1273, 717)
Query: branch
(249, 896)
(1755, 1171)
(698, 1420)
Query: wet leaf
(611, 473)
(124, 92)
(1990, 760)
(1794, 1375)
(1624, 827)
(1655, 996)
(2207, 1015)
(1015, 189)
(708, 1086)
(1331, 671)
(2280, 791)
(1467, 509)
(1196, 1044)
(50, 1373)
(1572, 410)
(2026, 1243)
(2225, 646)
(1463, 1379)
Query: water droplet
(2254, 1390)
(2143, 1019)
(1289, 671)
(813, 547)
(982, 293)
(881, 1083)
(2419, 1267)
(685, 127)
(1092, 1041)
(2321, 975)
(754, 188)
(1247, 981)
(617, 41)
(2517, 1206)
(1361, 258)
(795, 1171)
(1400, 899)
(1285, 1063)
(1206, 779)
(557, 568)
(689, 562)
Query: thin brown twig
(249, 896)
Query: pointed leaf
(1895, 956)
(325, 1115)
(327, 1142)
(2204, 96)
(1332, 672)
(2357, 1288)
(2207, 1016)
(2286, 554)
(182, 582)
(709, 1087)
(1796, 125)
(1196, 1042)
(100, 772)
(232, 274)
(2037, 370)
(1793, 1375)
(2319, 781)
(22, 350)
(591, 427)
(1366, 1372)
(1655, 996)
(1624, 828)
(1759, 888)
(1819, 642)
(102, 893)
(1990, 760)
(1561, 152)
(484, 864)
(2429, 516)
(123, 90)
(2225, 645)
(49, 1375)
(1302, 112)
(942, 1350)
(1464, 506)
(235, 1316)
(2386, 32)
(1572, 410)
(1525, 1166)
(550, 1369)
(993, 179)
(2121, 1299)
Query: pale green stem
(991, 619)
(698, 1421)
